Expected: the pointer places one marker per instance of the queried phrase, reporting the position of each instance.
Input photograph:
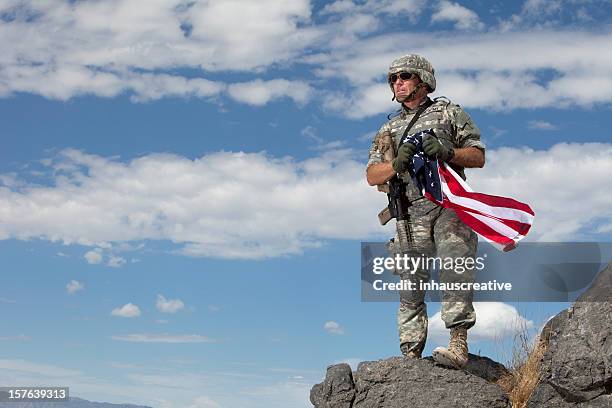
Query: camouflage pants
(436, 232)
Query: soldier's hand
(404, 157)
(434, 148)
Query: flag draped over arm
(502, 221)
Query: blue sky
(182, 192)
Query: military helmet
(416, 64)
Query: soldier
(435, 231)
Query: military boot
(456, 355)
(410, 350)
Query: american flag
(500, 220)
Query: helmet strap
(416, 89)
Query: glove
(404, 157)
(434, 148)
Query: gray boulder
(577, 365)
(485, 368)
(400, 383)
(338, 389)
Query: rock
(400, 383)
(485, 368)
(338, 389)
(547, 396)
(576, 369)
(577, 366)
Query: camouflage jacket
(451, 124)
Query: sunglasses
(405, 76)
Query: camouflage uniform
(436, 231)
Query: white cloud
(94, 256)
(267, 207)
(121, 33)
(19, 337)
(127, 310)
(260, 92)
(604, 228)
(23, 366)
(412, 8)
(464, 18)
(65, 82)
(164, 338)
(551, 181)
(163, 385)
(204, 402)
(541, 6)
(310, 132)
(62, 49)
(269, 34)
(110, 47)
(359, 24)
(366, 101)
(333, 328)
(494, 322)
(320, 143)
(169, 305)
(555, 68)
(119, 390)
(8, 179)
(271, 207)
(553, 13)
(116, 261)
(74, 286)
(339, 6)
(122, 366)
(149, 87)
(183, 381)
(292, 394)
(541, 125)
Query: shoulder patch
(462, 118)
(454, 109)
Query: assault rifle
(398, 201)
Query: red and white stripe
(500, 220)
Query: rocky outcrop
(576, 369)
(577, 366)
(400, 383)
(338, 389)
